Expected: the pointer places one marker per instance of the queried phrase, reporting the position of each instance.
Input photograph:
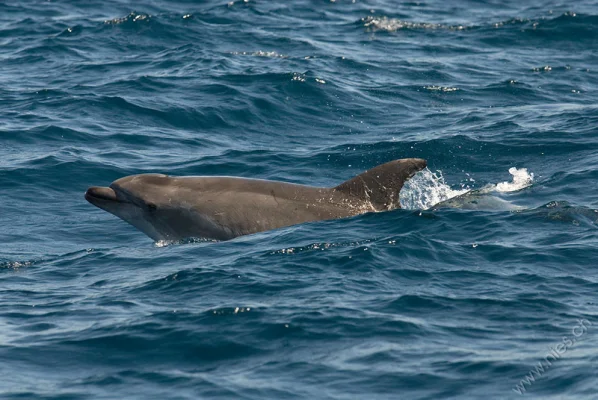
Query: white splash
(394, 24)
(425, 190)
(168, 242)
(521, 180)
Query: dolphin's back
(380, 186)
(242, 206)
(252, 205)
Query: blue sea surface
(418, 303)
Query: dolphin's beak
(96, 195)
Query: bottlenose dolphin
(215, 207)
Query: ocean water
(489, 295)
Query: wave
(563, 26)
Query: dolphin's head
(145, 201)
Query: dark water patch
(48, 134)
(568, 27)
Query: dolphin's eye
(151, 207)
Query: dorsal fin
(381, 185)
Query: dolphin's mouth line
(98, 193)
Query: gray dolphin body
(480, 199)
(173, 208)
